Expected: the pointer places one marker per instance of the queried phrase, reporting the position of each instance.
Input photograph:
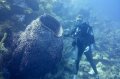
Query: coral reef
(16, 15)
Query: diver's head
(82, 19)
(79, 19)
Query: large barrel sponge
(38, 50)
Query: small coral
(4, 4)
(2, 47)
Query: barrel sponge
(51, 23)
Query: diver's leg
(89, 57)
(79, 55)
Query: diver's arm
(71, 33)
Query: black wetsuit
(84, 38)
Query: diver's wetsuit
(84, 39)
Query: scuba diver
(83, 39)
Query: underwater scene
(59, 39)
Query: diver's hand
(66, 35)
